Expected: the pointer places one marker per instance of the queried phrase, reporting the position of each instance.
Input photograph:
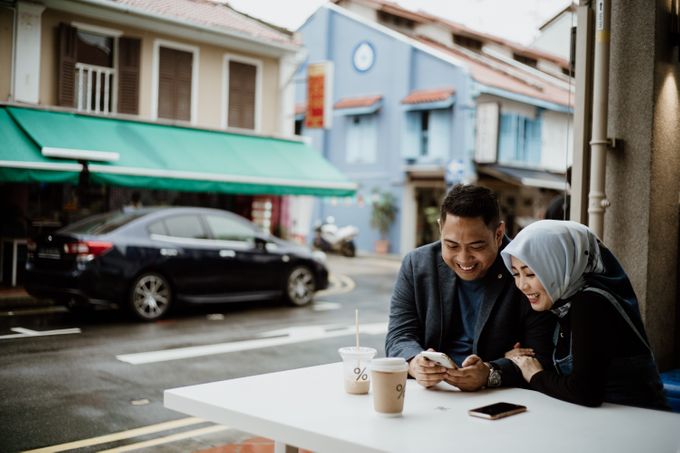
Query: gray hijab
(559, 253)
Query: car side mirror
(260, 243)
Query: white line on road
(144, 430)
(273, 338)
(168, 439)
(339, 284)
(22, 332)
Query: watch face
(363, 57)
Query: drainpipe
(599, 143)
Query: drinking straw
(356, 324)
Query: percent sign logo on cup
(401, 391)
(360, 374)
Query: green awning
(168, 157)
(22, 161)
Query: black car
(149, 259)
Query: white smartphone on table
(440, 358)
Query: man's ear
(439, 224)
(500, 231)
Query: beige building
(191, 65)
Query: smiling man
(455, 296)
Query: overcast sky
(517, 20)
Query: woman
(601, 348)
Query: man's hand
(528, 365)
(471, 377)
(426, 372)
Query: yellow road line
(120, 435)
(167, 439)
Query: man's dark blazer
(421, 308)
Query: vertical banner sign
(319, 96)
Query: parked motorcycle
(328, 237)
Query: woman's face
(528, 283)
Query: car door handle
(227, 253)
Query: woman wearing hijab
(601, 348)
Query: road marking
(279, 337)
(168, 439)
(120, 435)
(25, 333)
(325, 306)
(339, 284)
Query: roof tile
(424, 96)
(357, 102)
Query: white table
(308, 408)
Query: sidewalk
(12, 298)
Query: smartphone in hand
(440, 358)
(497, 410)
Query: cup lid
(353, 351)
(389, 364)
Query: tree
(384, 212)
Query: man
(456, 296)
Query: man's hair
(466, 200)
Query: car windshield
(102, 224)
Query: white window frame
(227, 58)
(155, 71)
(115, 34)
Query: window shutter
(174, 84)
(410, 136)
(242, 84)
(440, 131)
(128, 75)
(67, 65)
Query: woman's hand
(518, 351)
(528, 365)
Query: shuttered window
(128, 75)
(87, 75)
(174, 84)
(242, 88)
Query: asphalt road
(67, 377)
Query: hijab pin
(500, 276)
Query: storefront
(57, 167)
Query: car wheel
(150, 297)
(300, 286)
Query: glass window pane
(185, 226)
(226, 229)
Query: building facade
(417, 107)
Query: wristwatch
(494, 379)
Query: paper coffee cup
(355, 368)
(389, 385)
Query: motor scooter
(328, 237)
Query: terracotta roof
(212, 14)
(423, 96)
(494, 76)
(357, 102)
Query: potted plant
(382, 216)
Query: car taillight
(87, 248)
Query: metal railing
(94, 88)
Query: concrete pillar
(643, 174)
(27, 63)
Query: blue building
(411, 116)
